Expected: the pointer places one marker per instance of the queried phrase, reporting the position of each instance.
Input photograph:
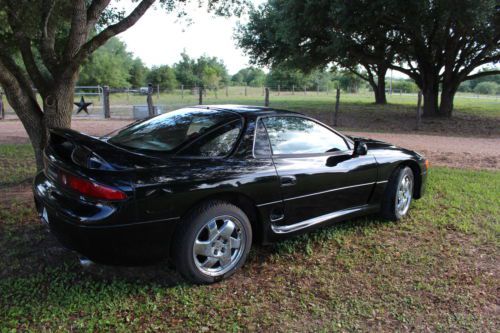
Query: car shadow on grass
(31, 250)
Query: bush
(487, 88)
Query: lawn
(437, 270)
(17, 164)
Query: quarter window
(297, 135)
(262, 146)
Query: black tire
(389, 201)
(194, 225)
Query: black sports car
(199, 185)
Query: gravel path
(464, 152)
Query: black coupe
(199, 185)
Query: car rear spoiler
(94, 153)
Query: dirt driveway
(463, 152)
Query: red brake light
(88, 188)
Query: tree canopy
(437, 43)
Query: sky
(159, 38)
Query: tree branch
(94, 12)
(481, 74)
(47, 42)
(78, 33)
(111, 31)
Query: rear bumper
(101, 231)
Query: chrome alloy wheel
(219, 245)
(404, 195)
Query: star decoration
(82, 106)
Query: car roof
(246, 110)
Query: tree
(138, 73)
(43, 44)
(316, 34)
(251, 76)
(164, 76)
(437, 43)
(487, 88)
(444, 42)
(207, 71)
(109, 65)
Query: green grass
(437, 270)
(17, 163)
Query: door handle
(288, 180)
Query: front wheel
(398, 194)
(213, 242)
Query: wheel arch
(417, 175)
(240, 200)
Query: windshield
(172, 130)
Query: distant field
(121, 103)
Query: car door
(316, 167)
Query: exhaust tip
(85, 262)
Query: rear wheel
(398, 194)
(213, 242)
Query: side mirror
(360, 148)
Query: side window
(262, 147)
(218, 143)
(297, 135)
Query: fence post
(105, 102)
(182, 91)
(246, 86)
(305, 90)
(266, 98)
(2, 110)
(200, 97)
(279, 89)
(419, 106)
(149, 100)
(317, 88)
(293, 89)
(227, 91)
(158, 91)
(337, 102)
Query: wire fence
(132, 103)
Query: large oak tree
(43, 44)
(438, 43)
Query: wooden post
(2, 110)
(158, 91)
(266, 98)
(305, 90)
(149, 100)
(227, 91)
(200, 97)
(317, 88)
(337, 103)
(279, 89)
(246, 86)
(182, 91)
(105, 102)
(293, 89)
(128, 94)
(419, 106)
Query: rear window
(170, 131)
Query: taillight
(91, 189)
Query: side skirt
(330, 217)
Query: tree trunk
(430, 91)
(380, 97)
(450, 88)
(57, 110)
